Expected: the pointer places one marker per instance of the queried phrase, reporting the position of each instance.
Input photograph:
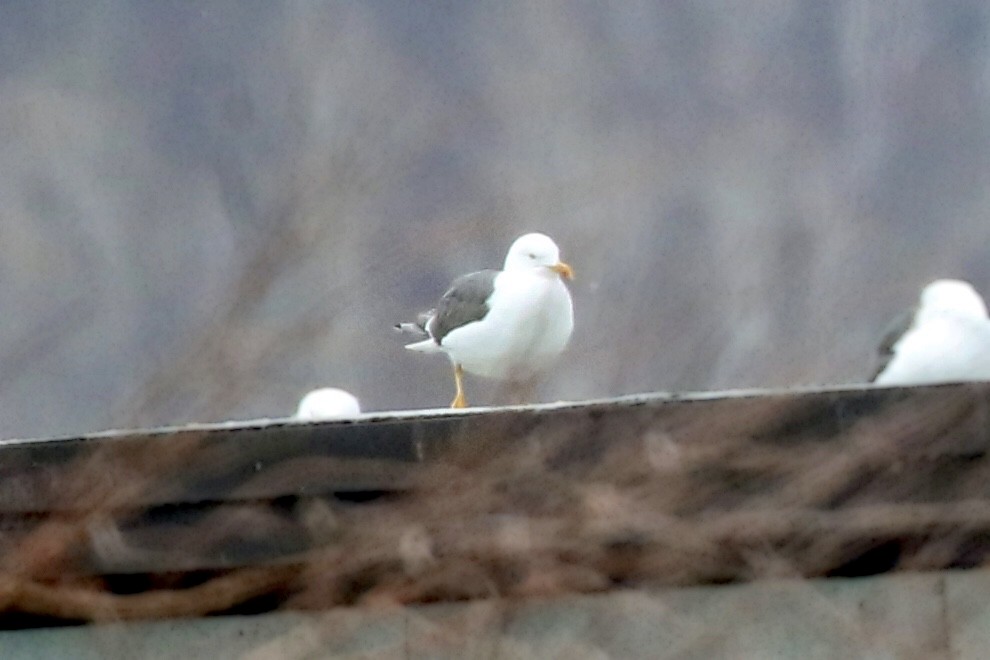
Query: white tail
(425, 346)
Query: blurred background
(207, 209)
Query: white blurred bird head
(328, 403)
(536, 250)
(951, 297)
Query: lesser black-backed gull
(945, 339)
(508, 324)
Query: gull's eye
(532, 255)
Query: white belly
(528, 325)
(940, 352)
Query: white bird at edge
(945, 339)
(328, 403)
(508, 324)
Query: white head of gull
(954, 298)
(328, 403)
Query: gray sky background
(208, 208)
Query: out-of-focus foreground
(519, 513)
(208, 209)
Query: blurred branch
(66, 602)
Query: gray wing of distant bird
(466, 301)
(895, 330)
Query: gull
(945, 339)
(508, 324)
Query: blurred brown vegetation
(207, 209)
(497, 505)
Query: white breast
(941, 350)
(529, 323)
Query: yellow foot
(460, 401)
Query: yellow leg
(460, 401)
